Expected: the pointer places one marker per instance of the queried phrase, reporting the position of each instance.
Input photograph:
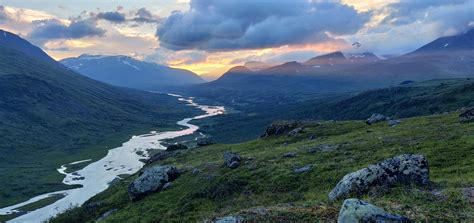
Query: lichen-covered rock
(231, 159)
(295, 131)
(404, 169)
(151, 180)
(279, 128)
(376, 118)
(355, 210)
(467, 116)
(175, 147)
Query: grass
(265, 188)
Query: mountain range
(445, 57)
(128, 72)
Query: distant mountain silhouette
(128, 72)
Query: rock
(393, 122)
(231, 159)
(403, 169)
(295, 132)
(303, 169)
(230, 219)
(162, 155)
(279, 128)
(175, 147)
(355, 210)
(312, 137)
(376, 118)
(151, 180)
(468, 193)
(204, 142)
(327, 147)
(106, 215)
(289, 155)
(196, 171)
(467, 116)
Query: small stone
(230, 219)
(312, 137)
(231, 159)
(295, 131)
(467, 116)
(393, 123)
(303, 169)
(289, 155)
(175, 147)
(376, 118)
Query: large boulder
(175, 147)
(355, 210)
(279, 128)
(467, 116)
(376, 118)
(403, 169)
(231, 159)
(151, 180)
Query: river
(96, 176)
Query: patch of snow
(129, 64)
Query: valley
(237, 111)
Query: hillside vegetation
(249, 113)
(266, 188)
(50, 116)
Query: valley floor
(265, 187)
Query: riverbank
(96, 176)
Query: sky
(210, 36)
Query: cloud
(115, 17)
(144, 16)
(246, 24)
(408, 25)
(3, 14)
(44, 30)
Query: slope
(265, 187)
(50, 115)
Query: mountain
(127, 72)
(12, 41)
(50, 115)
(464, 41)
(256, 65)
(331, 59)
(363, 58)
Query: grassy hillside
(50, 115)
(265, 187)
(250, 113)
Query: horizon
(142, 30)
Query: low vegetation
(265, 186)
